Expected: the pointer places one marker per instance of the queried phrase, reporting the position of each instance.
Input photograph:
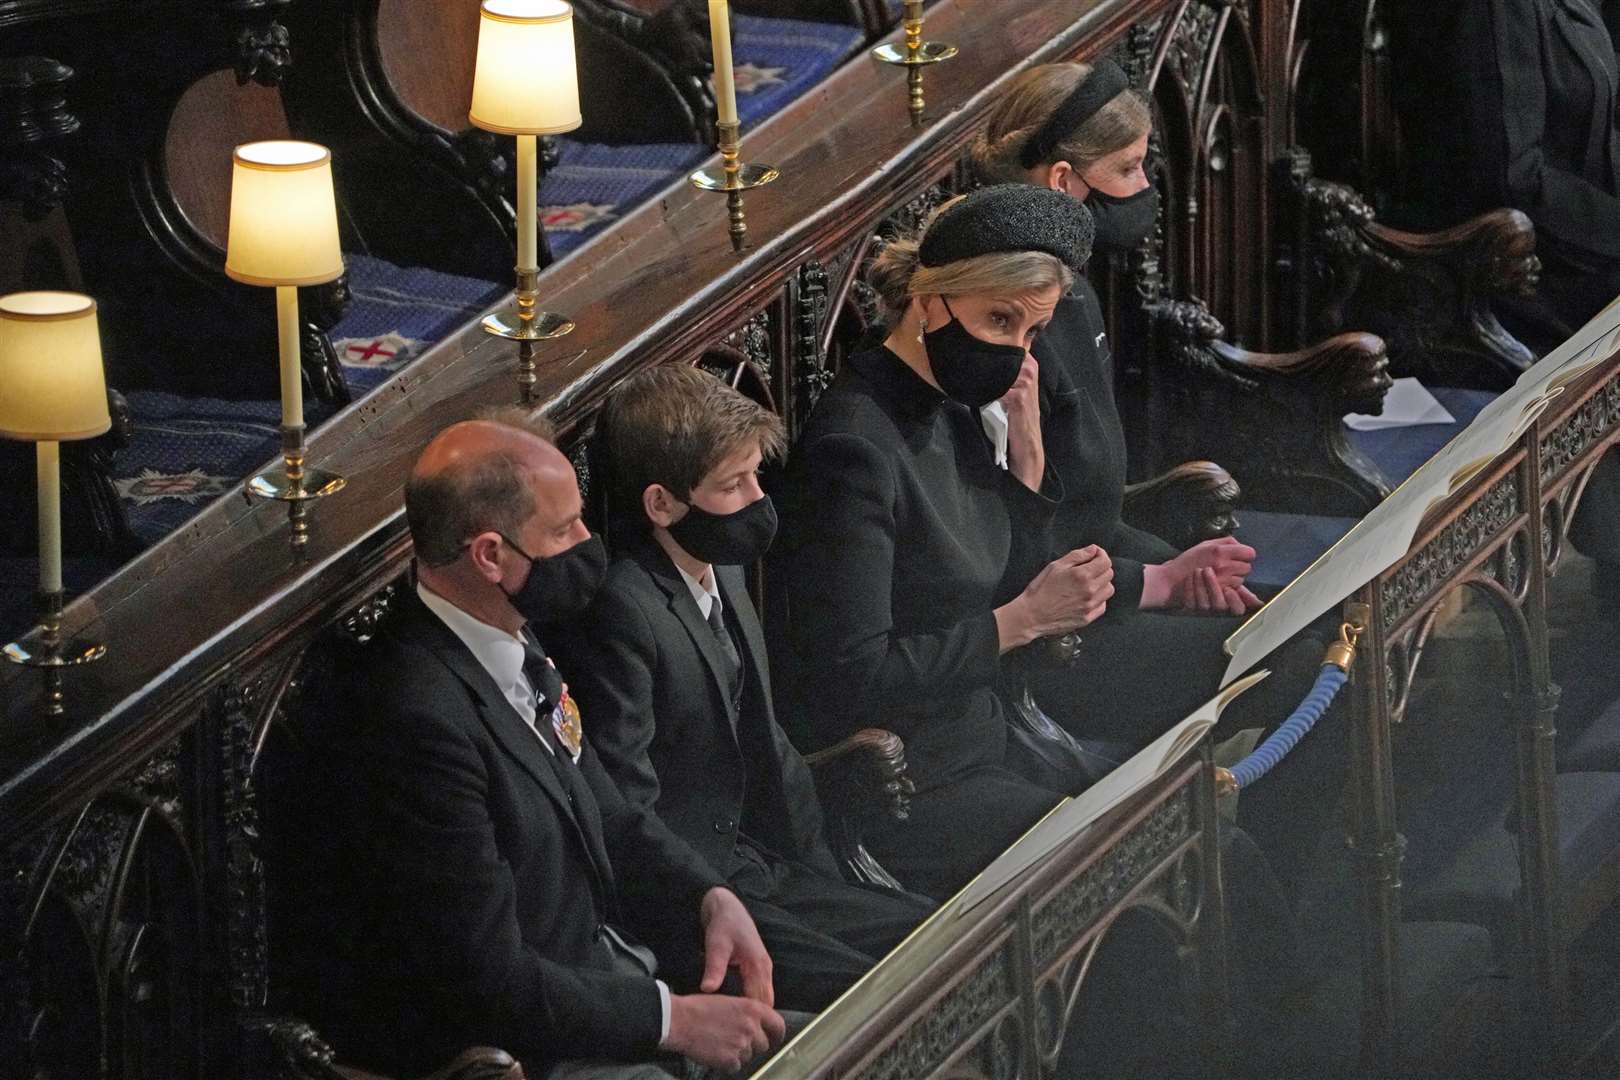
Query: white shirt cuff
(663, 1008)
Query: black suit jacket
(650, 680)
(467, 882)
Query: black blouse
(898, 543)
(1085, 444)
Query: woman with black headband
(1081, 130)
(906, 573)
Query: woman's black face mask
(968, 368)
(559, 585)
(1123, 223)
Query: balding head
(480, 476)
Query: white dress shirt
(502, 655)
(705, 592)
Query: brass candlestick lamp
(914, 54)
(734, 176)
(283, 232)
(51, 389)
(526, 84)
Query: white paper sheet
(1408, 404)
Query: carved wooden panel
(1439, 561)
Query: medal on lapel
(565, 724)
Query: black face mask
(1123, 223)
(734, 539)
(560, 585)
(968, 368)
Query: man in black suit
(486, 880)
(671, 670)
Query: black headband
(1106, 81)
(1008, 218)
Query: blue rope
(1277, 745)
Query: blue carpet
(777, 60)
(593, 185)
(1400, 451)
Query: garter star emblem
(565, 723)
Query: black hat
(1010, 217)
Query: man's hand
(730, 940)
(720, 1031)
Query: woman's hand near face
(1026, 453)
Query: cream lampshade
(526, 82)
(283, 227)
(51, 383)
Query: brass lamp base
(295, 484)
(928, 52)
(747, 177)
(51, 654)
(509, 323)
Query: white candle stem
(725, 82)
(292, 368)
(528, 214)
(50, 516)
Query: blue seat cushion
(1285, 544)
(1477, 879)
(777, 60)
(397, 312)
(1398, 452)
(593, 185)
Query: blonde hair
(1035, 95)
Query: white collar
(502, 654)
(994, 418)
(706, 596)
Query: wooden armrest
(301, 1054)
(1191, 503)
(870, 764)
(1428, 294)
(1274, 419)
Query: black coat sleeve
(456, 920)
(851, 656)
(1132, 551)
(1503, 100)
(610, 669)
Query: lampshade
(51, 384)
(283, 227)
(525, 82)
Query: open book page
(1072, 815)
(1385, 535)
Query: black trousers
(1139, 674)
(822, 932)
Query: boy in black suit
(670, 667)
(473, 876)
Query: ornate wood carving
(1440, 560)
(263, 48)
(965, 1007)
(1578, 432)
(33, 111)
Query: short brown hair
(673, 425)
(997, 151)
(446, 508)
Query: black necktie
(547, 685)
(728, 649)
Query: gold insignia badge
(565, 722)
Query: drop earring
(922, 328)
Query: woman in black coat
(907, 572)
(1512, 103)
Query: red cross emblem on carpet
(576, 217)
